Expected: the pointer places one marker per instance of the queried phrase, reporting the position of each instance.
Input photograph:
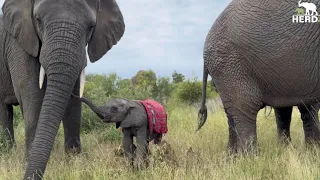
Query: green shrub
(190, 91)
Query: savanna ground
(207, 160)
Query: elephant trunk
(94, 108)
(299, 3)
(63, 59)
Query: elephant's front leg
(283, 118)
(128, 145)
(30, 110)
(309, 116)
(71, 124)
(24, 71)
(6, 118)
(142, 147)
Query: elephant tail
(202, 114)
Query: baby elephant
(146, 120)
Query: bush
(190, 91)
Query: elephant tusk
(41, 77)
(82, 81)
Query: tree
(144, 79)
(164, 89)
(177, 77)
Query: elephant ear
(108, 30)
(17, 19)
(133, 117)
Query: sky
(162, 36)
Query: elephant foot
(312, 142)
(73, 146)
(242, 142)
(312, 138)
(248, 147)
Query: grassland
(208, 160)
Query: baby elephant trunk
(95, 108)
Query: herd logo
(306, 13)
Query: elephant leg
(242, 102)
(310, 119)
(6, 118)
(232, 143)
(30, 114)
(71, 124)
(128, 146)
(245, 130)
(142, 148)
(24, 71)
(283, 119)
(157, 139)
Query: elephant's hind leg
(309, 116)
(232, 143)
(283, 119)
(241, 108)
(6, 118)
(239, 92)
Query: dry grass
(207, 159)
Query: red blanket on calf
(157, 116)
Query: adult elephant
(257, 56)
(44, 43)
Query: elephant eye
(38, 19)
(114, 109)
(91, 26)
(90, 32)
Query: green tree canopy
(177, 77)
(145, 79)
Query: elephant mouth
(82, 79)
(107, 119)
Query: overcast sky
(162, 36)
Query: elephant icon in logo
(309, 7)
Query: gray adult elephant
(43, 43)
(257, 56)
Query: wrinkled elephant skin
(257, 56)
